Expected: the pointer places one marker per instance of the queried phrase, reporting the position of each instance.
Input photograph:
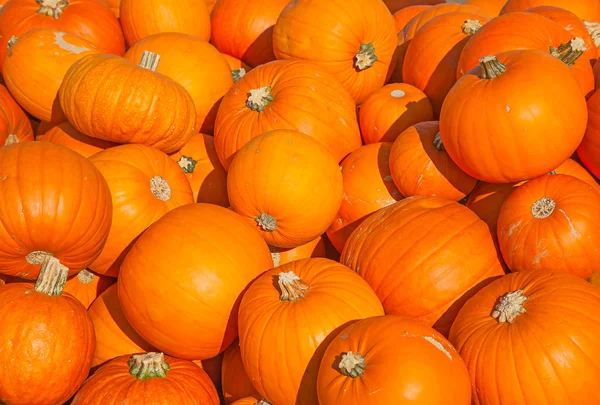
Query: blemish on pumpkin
(571, 226)
(507, 109)
(438, 345)
(60, 41)
(397, 93)
(388, 178)
(514, 227)
(344, 336)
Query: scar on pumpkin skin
(62, 44)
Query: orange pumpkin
(238, 68)
(251, 401)
(503, 128)
(390, 110)
(315, 248)
(14, 124)
(419, 165)
(355, 367)
(151, 379)
(193, 63)
(298, 199)
(236, 384)
(71, 228)
(89, 19)
(45, 127)
(287, 95)
(145, 184)
(199, 161)
(64, 134)
(431, 285)
(287, 299)
(160, 112)
(490, 7)
(56, 51)
(501, 325)
(213, 367)
(550, 223)
(594, 279)
(359, 52)
(403, 16)
(399, 5)
(182, 318)
(142, 18)
(87, 286)
(368, 186)
(115, 6)
(585, 9)
(245, 29)
(589, 149)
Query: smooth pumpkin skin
(130, 171)
(406, 363)
(398, 5)
(245, 29)
(36, 89)
(503, 123)
(404, 15)
(46, 346)
(490, 7)
(235, 63)
(390, 110)
(415, 263)
(236, 384)
(193, 63)
(418, 167)
(199, 161)
(305, 98)
(164, 117)
(585, 9)
(315, 248)
(52, 200)
(89, 19)
(368, 186)
(115, 6)
(14, 124)
(358, 22)
(589, 149)
(566, 238)
(184, 384)
(547, 355)
(196, 231)
(336, 293)
(66, 135)
(142, 18)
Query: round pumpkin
(419, 165)
(380, 360)
(368, 186)
(193, 63)
(181, 318)
(236, 384)
(114, 6)
(142, 18)
(315, 248)
(414, 255)
(155, 111)
(551, 223)
(538, 329)
(14, 124)
(46, 341)
(145, 184)
(36, 89)
(399, 5)
(287, 186)
(497, 125)
(238, 68)
(359, 53)
(55, 208)
(585, 9)
(594, 279)
(287, 95)
(199, 161)
(390, 110)
(404, 15)
(589, 149)
(490, 7)
(89, 19)
(149, 378)
(287, 298)
(64, 134)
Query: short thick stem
(259, 98)
(291, 286)
(11, 42)
(160, 188)
(352, 364)
(543, 208)
(491, 67)
(366, 57)
(266, 222)
(10, 139)
(85, 276)
(52, 8)
(187, 163)
(53, 274)
(569, 52)
(437, 142)
(263, 402)
(149, 60)
(275, 255)
(149, 365)
(509, 307)
(594, 29)
(238, 74)
(470, 27)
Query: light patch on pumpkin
(574, 232)
(438, 345)
(513, 228)
(60, 41)
(388, 178)
(397, 93)
(568, 28)
(507, 109)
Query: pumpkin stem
(437, 142)
(11, 42)
(470, 27)
(569, 52)
(266, 222)
(594, 29)
(552, 172)
(149, 365)
(291, 286)
(53, 275)
(52, 8)
(10, 139)
(509, 307)
(149, 60)
(85, 276)
(160, 188)
(258, 99)
(187, 164)
(275, 255)
(238, 74)
(543, 208)
(490, 67)
(263, 402)
(352, 364)
(365, 58)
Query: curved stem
(53, 274)
(238, 74)
(149, 60)
(291, 286)
(187, 163)
(593, 28)
(437, 142)
(266, 222)
(160, 188)
(149, 365)
(509, 307)
(365, 58)
(258, 99)
(85, 276)
(491, 67)
(543, 208)
(570, 52)
(52, 8)
(352, 364)
(470, 27)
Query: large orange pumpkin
(315, 248)
(424, 257)
(55, 208)
(150, 379)
(236, 384)
(585, 9)
(503, 114)
(383, 359)
(193, 63)
(589, 149)
(196, 293)
(287, 298)
(64, 134)
(145, 184)
(287, 95)
(154, 110)
(14, 124)
(359, 53)
(539, 331)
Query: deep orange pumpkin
(64, 134)
(87, 286)
(115, 6)
(14, 124)
(213, 367)
(490, 7)
(315, 248)
(238, 68)
(404, 15)
(589, 149)
(251, 401)
(236, 384)
(398, 5)
(594, 279)
(585, 9)
(539, 329)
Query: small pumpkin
(14, 124)
(236, 384)
(588, 10)
(315, 248)
(66, 135)
(238, 68)
(404, 15)
(589, 149)
(87, 286)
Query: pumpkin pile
(303, 202)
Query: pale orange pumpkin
(66, 135)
